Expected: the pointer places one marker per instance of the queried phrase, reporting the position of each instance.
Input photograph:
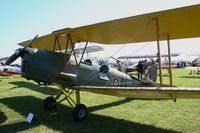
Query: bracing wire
(133, 36)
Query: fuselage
(54, 67)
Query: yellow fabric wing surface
(178, 23)
(145, 92)
(47, 42)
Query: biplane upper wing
(178, 23)
(47, 42)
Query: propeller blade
(27, 45)
(30, 42)
(19, 52)
(12, 58)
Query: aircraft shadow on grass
(41, 89)
(191, 77)
(3, 117)
(61, 120)
(107, 105)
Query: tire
(80, 112)
(49, 104)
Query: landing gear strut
(79, 112)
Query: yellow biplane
(47, 59)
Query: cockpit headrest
(104, 69)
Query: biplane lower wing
(145, 92)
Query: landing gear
(80, 112)
(49, 104)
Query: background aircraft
(8, 69)
(147, 59)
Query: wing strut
(158, 47)
(83, 52)
(169, 60)
(56, 40)
(69, 40)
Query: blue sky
(23, 19)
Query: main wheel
(49, 104)
(80, 112)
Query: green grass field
(107, 114)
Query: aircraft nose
(19, 52)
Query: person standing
(119, 66)
(140, 69)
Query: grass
(107, 114)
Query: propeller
(19, 52)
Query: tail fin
(152, 73)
